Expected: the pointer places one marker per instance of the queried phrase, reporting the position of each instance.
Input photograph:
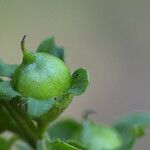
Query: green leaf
(22, 146)
(47, 144)
(131, 127)
(6, 91)
(6, 144)
(80, 82)
(64, 129)
(76, 144)
(48, 46)
(131, 120)
(44, 111)
(7, 70)
(59, 145)
(6, 122)
(3, 119)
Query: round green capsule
(41, 75)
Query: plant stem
(12, 125)
(42, 128)
(29, 135)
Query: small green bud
(99, 137)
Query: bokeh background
(109, 37)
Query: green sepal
(6, 70)
(131, 127)
(80, 82)
(59, 106)
(60, 52)
(6, 91)
(47, 110)
(36, 108)
(48, 46)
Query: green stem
(42, 127)
(29, 135)
(12, 126)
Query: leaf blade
(131, 127)
(139, 118)
(6, 144)
(64, 129)
(59, 145)
(80, 82)
(6, 70)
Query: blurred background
(109, 37)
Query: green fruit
(99, 137)
(41, 76)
